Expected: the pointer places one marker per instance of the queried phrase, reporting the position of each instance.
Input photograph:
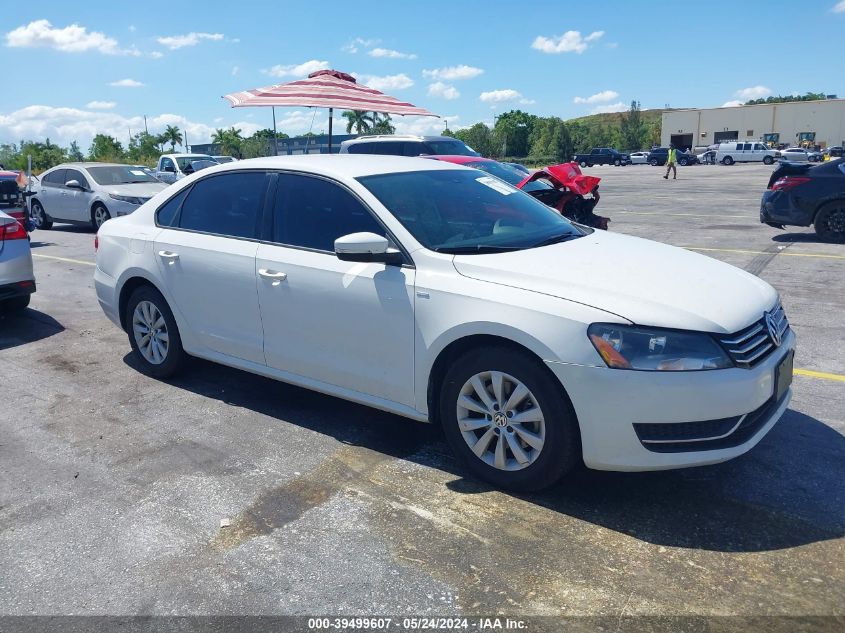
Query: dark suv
(660, 155)
(402, 145)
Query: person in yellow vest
(671, 159)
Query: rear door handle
(272, 274)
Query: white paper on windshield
(137, 172)
(496, 184)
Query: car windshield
(509, 174)
(119, 175)
(464, 211)
(450, 148)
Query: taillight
(789, 182)
(13, 231)
(96, 242)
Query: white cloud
(100, 105)
(63, 125)
(755, 92)
(839, 7)
(443, 90)
(297, 70)
(391, 54)
(352, 46)
(501, 96)
(599, 97)
(423, 125)
(127, 83)
(453, 73)
(156, 54)
(569, 42)
(732, 104)
(388, 82)
(174, 42)
(612, 107)
(235, 70)
(70, 39)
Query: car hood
(137, 189)
(646, 282)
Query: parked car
(224, 159)
(90, 193)
(17, 281)
(795, 155)
(708, 157)
(421, 288)
(815, 156)
(834, 152)
(734, 152)
(804, 194)
(406, 145)
(562, 187)
(602, 156)
(10, 194)
(173, 167)
(660, 156)
(639, 158)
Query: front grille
(709, 435)
(752, 345)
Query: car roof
(460, 159)
(182, 155)
(337, 165)
(397, 137)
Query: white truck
(173, 167)
(745, 152)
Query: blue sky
(94, 66)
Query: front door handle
(277, 277)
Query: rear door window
(360, 148)
(55, 178)
(228, 204)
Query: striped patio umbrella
(325, 89)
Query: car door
(76, 202)
(50, 194)
(206, 256)
(345, 324)
(166, 170)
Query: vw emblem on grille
(772, 327)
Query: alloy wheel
(100, 216)
(501, 420)
(150, 331)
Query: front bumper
(609, 402)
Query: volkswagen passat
(441, 293)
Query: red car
(562, 187)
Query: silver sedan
(17, 281)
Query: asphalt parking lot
(114, 485)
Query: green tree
(479, 137)
(105, 148)
(143, 148)
(359, 120)
(511, 133)
(550, 138)
(382, 124)
(810, 96)
(229, 141)
(632, 128)
(74, 153)
(173, 136)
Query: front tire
(768, 160)
(39, 217)
(583, 163)
(830, 222)
(653, 162)
(683, 162)
(617, 163)
(727, 160)
(99, 215)
(508, 419)
(153, 333)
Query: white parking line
(64, 259)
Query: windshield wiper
(555, 239)
(477, 249)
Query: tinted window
(73, 174)
(313, 213)
(119, 175)
(167, 164)
(168, 212)
(228, 204)
(360, 148)
(55, 177)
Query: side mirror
(73, 184)
(366, 247)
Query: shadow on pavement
(785, 493)
(26, 326)
(794, 238)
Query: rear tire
(531, 454)
(653, 162)
(617, 163)
(683, 162)
(39, 217)
(768, 160)
(153, 333)
(830, 222)
(583, 163)
(727, 160)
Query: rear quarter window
(168, 213)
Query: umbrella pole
(275, 136)
(330, 130)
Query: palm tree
(229, 141)
(382, 125)
(173, 136)
(359, 120)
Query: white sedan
(639, 158)
(795, 154)
(443, 294)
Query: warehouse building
(807, 123)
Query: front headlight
(653, 349)
(129, 199)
